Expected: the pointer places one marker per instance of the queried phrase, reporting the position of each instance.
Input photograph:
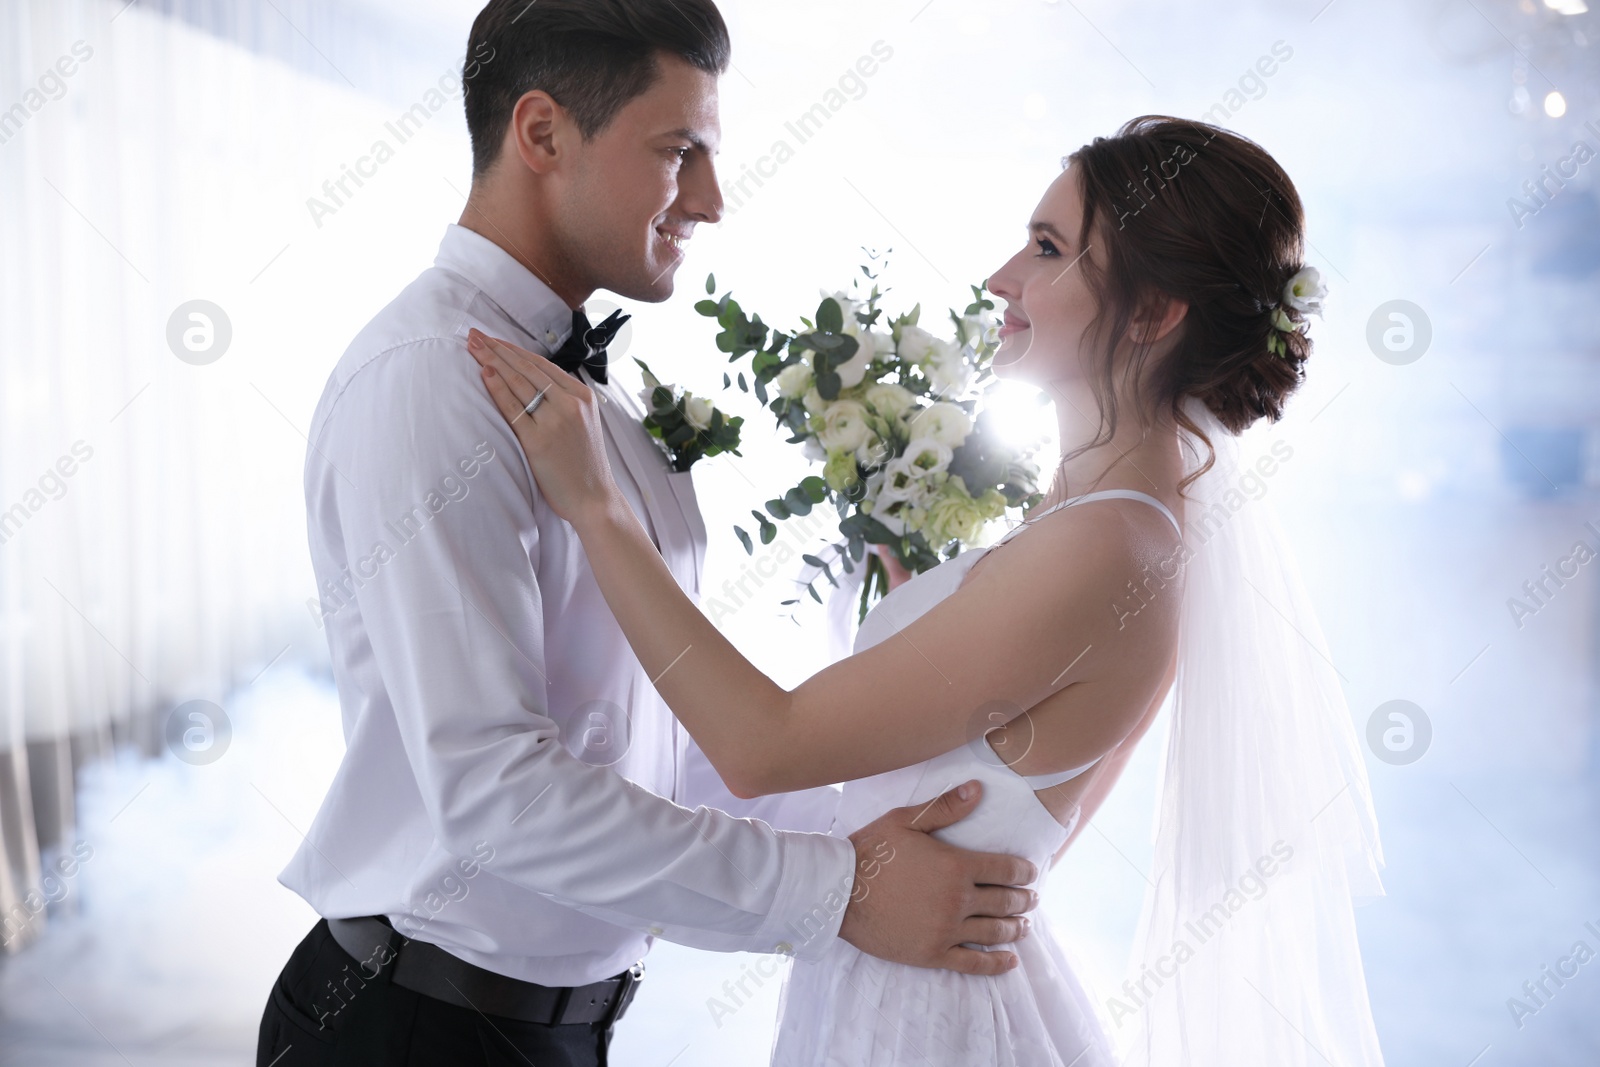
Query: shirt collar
(529, 302)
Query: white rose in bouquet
(852, 373)
(847, 304)
(844, 426)
(943, 422)
(888, 400)
(794, 382)
(915, 344)
(955, 516)
(948, 368)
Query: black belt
(433, 972)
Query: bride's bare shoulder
(1098, 543)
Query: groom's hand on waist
(917, 900)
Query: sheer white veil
(1247, 953)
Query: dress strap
(1125, 494)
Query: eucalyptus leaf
(830, 316)
(836, 350)
(815, 488)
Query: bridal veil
(1247, 953)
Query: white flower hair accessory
(1304, 293)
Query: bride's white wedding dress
(849, 1009)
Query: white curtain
(152, 538)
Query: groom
(517, 814)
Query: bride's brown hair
(1188, 210)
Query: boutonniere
(689, 427)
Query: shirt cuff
(817, 879)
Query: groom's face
(641, 186)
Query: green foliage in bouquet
(893, 413)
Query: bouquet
(893, 413)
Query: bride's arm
(1005, 639)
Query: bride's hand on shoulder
(563, 438)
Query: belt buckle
(629, 985)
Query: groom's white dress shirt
(513, 788)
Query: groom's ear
(540, 132)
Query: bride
(1161, 300)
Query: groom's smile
(639, 188)
(676, 237)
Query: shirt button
(655, 931)
(550, 337)
(783, 948)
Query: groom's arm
(807, 810)
(456, 623)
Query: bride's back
(1108, 688)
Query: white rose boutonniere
(698, 411)
(689, 427)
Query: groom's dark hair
(591, 56)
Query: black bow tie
(587, 345)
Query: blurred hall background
(1446, 450)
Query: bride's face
(1049, 305)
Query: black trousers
(317, 1016)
